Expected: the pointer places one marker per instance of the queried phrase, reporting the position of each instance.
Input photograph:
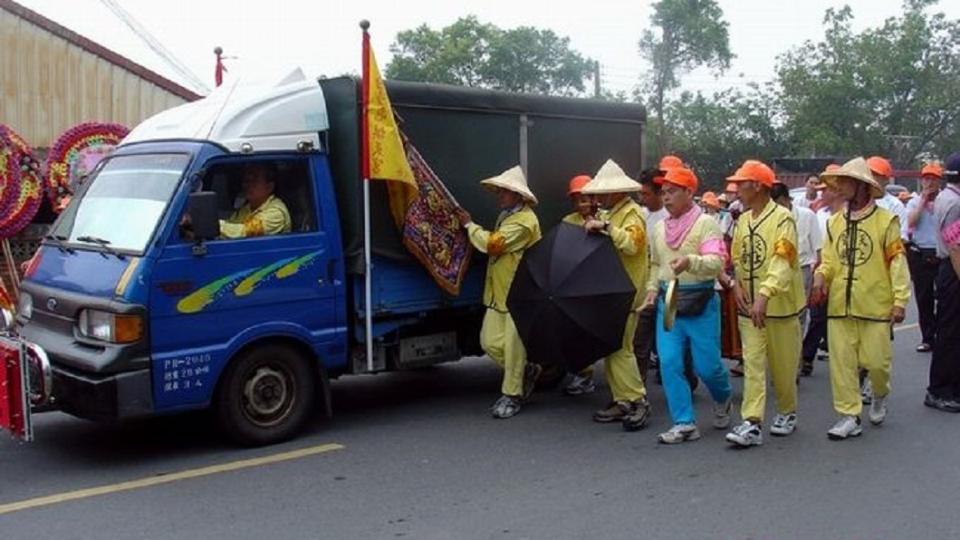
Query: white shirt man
(809, 236)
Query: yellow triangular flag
(386, 159)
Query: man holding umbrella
(770, 296)
(516, 230)
(864, 278)
(622, 220)
(688, 249)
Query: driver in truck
(263, 213)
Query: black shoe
(807, 368)
(941, 404)
(924, 347)
(531, 372)
(637, 420)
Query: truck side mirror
(202, 207)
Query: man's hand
(818, 291)
(680, 265)
(725, 281)
(593, 225)
(743, 305)
(898, 314)
(758, 313)
(463, 217)
(648, 302)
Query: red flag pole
(365, 171)
(220, 68)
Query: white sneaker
(721, 414)
(866, 392)
(847, 426)
(878, 410)
(784, 424)
(746, 434)
(679, 433)
(579, 386)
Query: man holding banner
(516, 230)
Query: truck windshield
(123, 203)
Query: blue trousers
(702, 335)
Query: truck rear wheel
(265, 396)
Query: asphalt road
(421, 458)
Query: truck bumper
(104, 398)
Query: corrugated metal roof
(80, 22)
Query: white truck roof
(246, 117)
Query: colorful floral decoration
(21, 180)
(76, 153)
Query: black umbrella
(570, 298)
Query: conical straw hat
(512, 180)
(856, 169)
(611, 179)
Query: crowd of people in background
(763, 279)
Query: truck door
(272, 277)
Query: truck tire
(265, 395)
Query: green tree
(686, 34)
(471, 53)
(891, 90)
(716, 133)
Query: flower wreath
(75, 153)
(22, 183)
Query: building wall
(49, 84)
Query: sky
(268, 38)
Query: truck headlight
(25, 305)
(111, 327)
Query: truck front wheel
(265, 396)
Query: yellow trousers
(778, 344)
(623, 375)
(500, 340)
(856, 343)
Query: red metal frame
(14, 389)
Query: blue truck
(139, 318)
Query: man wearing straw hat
(864, 277)
(517, 229)
(769, 292)
(688, 249)
(622, 220)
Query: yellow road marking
(166, 478)
(906, 327)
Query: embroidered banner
(431, 231)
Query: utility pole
(596, 79)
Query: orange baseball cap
(830, 168)
(933, 170)
(710, 199)
(681, 176)
(880, 166)
(670, 162)
(754, 171)
(577, 183)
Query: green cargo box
(468, 134)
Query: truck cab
(141, 316)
